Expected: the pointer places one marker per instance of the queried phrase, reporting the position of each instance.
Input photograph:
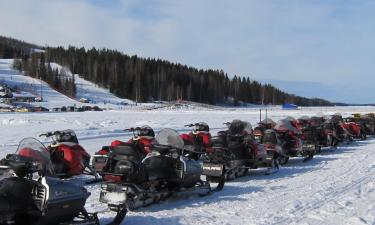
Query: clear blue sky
(326, 43)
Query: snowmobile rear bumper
(99, 162)
(5, 172)
(114, 194)
(213, 170)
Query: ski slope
(53, 98)
(94, 93)
(36, 87)
(336, 187)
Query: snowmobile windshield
(316, 121)
(285, 125)
(202, 126)
(268, 121)
(169, 137)
(238, 128)
(305, 118)
(32, 149)
(334, 119)
(66, 136)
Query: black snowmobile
(334, 131)
(235, 151)
(309, 135)
(160, 174)
(31, 196)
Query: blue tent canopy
(290, 106)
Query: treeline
(146, 79)
(35, 66)
(11, 48)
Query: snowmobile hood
(239, 127)
(268, 121)
(304, 118)
(284, 125)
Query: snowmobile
(356, 131)
(159, 175)
(369, 122)
(235, 151)
(309, 135)
(335, 130)
(199, 139)
(262, 127)
(68, 157)
(105, 160)
(358, 126)
(291, 141)
(30, 195)
(316, 123)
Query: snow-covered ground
(334, 188)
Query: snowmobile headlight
(123, 169)
(104, 186)
(124, 189)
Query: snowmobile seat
(4, 204)
(160, 167)
(126, 152)
(218, 141)
(162, 149)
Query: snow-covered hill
(92, 92)
(336, 187)
(52, 98)
(34, 86)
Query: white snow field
(336, 187)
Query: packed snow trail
(336, 187)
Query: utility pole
(41, 90)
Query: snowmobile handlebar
(22, 166)
(227, 123)
(132, 129)
(192, 125)
(49, 134)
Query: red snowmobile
(356, 128)
(107, 159)
(68, 157)
(199, 139)
(291, 141)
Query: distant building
(5, 92)
(84, 100)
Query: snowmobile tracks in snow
(342, 183)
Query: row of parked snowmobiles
(35, 186)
